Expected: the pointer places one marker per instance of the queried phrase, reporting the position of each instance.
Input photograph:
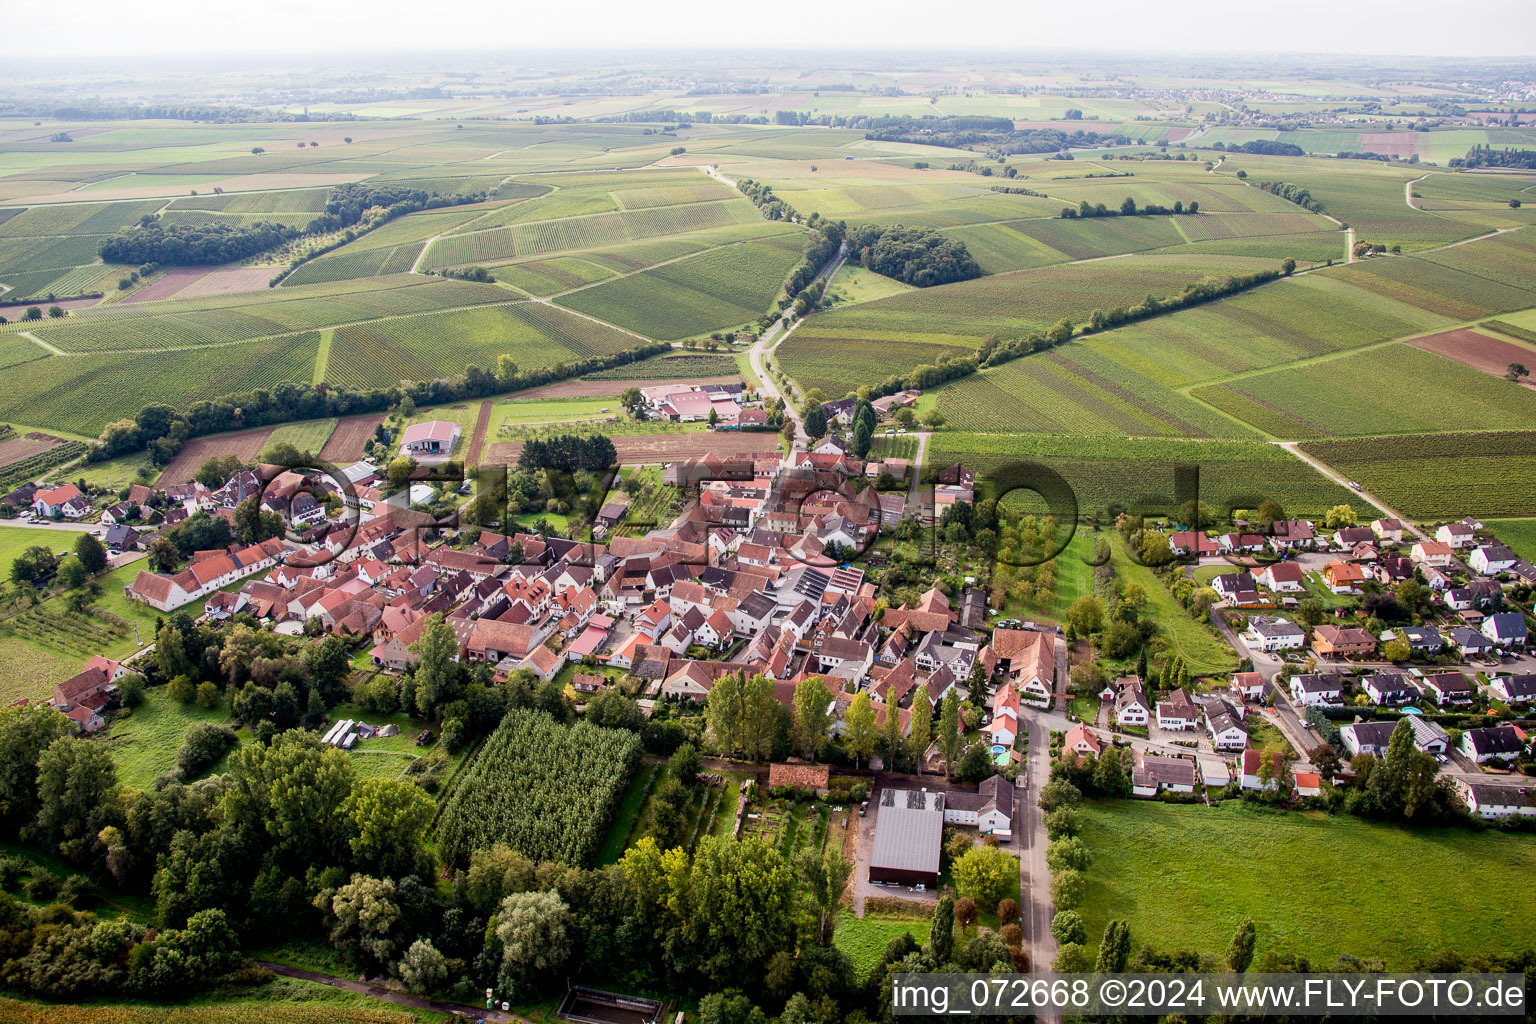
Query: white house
(1270, 634)
(1457, 535)
(989, 809)
(1494, 743)
(1492, 559)
(1496, 799)
(1317, 689)
(1505, 628)
(432, 438)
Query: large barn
(909, 830)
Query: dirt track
(477, 439)
(655, 449)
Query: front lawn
(1185, 876)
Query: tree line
(1487, 156)
(1260, 147)
(1293, 194)
(1128, 208)
(162, 430)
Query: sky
(1497, 28)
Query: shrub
(986, 875)
(205, 743)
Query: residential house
(1388, 688)
(1273, 634)
(1456, 535)
(1422, 639)
(1341, 642)
(1224, 722)
(1366, 737)
(1468, 641)
(1131, 706)
(1516, 689)
(1081, 741)
(1388, 529)
(989, 809)
(432, 438)
(1317, 689)
(1255, 777)
(1493, 799)
(1152, 774)
(1308, 784)
(1447, 688)
(1282, 578)
(1431, 553)
(65, 500)
(1506, 629)
(1178, 713)
(1493, 743)
(1492, 559)
(1248, 685)
(1343, 577)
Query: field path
(1294, 447)
(605, 323)
(322, 355)
(399, 998)
(477, 439)
(39, 341)
(1408, 192)
(915, 466)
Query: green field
(720, 288)
(1137, 473)
(1429, 475)
(145, 740)
(535, 335)
(85, 393)
(1518, 534)
(864, 938)
(1377, 391)
(1353, 897)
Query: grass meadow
(1185, 876)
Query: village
(768, 571)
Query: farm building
(434, 437)
(909, 831)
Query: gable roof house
(1431, 552)
(1340, 642)
(1343, 577)
(1447, 688)
(1152, 774)
(1282, 578)
(1029, 657)
(1248, 685)
(1493, 743)
(65, 500)
(1273, 634)
(1131, 706)
(1506, 628)
(1317, 689)
(1492, 559)
(1457, 535)
(1515, 689)
(1388, 688)
(989, 809)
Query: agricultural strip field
(1142, 874)
(1428, 475)
(1138, 473)
(244, 444)
(1076, 389)
(345, 445)
(654, 449)
(535, 335)
(552, 236)
(1389, 390)
(221, 319)
(1475, 349)
(85, 393)
(720, 288)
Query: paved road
(1029, 843)
(399, 998)
(66, 527)
(915, 466)
(780, 329)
